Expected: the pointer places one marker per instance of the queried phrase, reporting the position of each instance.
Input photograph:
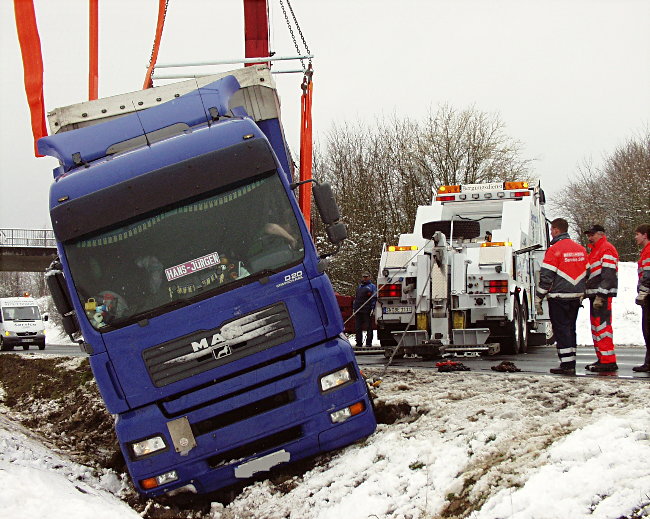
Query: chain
(293, 36)
(295, 20)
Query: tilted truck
(464, 280)
(211, 327)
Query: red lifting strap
(304, 198)
(162, 10)
(30, 48)
(93, 50)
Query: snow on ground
(503, 445)
(38, 483)
(483, 446)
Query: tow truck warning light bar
(498, 190)
(394, 248)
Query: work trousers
(645, 323)
(363, 320)
(601, 331)
(563, 314)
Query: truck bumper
(282, 419)
(14, 340)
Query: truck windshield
(185, 253)
(20, 313)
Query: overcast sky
(569, 78)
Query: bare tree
(382, 173)
(614, 194)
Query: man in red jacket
(562, 280)
(602, 285)
(642, 238)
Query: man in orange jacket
(642, 238)
(562, 280)
(602, 285)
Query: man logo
(216, 341)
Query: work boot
(589, 366)
(563, 371)
(645, 367)
(604, 368)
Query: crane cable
(162, 13)
(306, 134)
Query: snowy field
(477, 446)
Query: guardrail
(27, 238)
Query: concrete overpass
(26, 250)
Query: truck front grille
(260, 445)
(243, 413)
(206, 349)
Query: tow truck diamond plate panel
(438, 283)
(399, 258)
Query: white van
(21, 323)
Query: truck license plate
(398, 309)
(28, 340)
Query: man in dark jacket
(602, 285)
(364, 307)
(562, 280)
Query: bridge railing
(27, 238)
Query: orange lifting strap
(30, 48)
(162, 11)
(304, 197)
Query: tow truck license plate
(28, 340)
(398, 309)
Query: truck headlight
(335, 379)
(8, 333)
(347, 412)
(158, 481)
(148, 446)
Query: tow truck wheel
(523, 341)
(512, 342)
(25, 346)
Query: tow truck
(463, 282)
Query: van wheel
(41, 346)
(3, 346)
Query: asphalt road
(538, 360)
(67, 350)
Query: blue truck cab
(213, 332)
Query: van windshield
(20, 313)
(185, 253)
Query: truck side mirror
(326, 203)
(329, 213)
(46, 317)
(61, 298)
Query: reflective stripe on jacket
(564, 270)
(644, 271)
(603, 269)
